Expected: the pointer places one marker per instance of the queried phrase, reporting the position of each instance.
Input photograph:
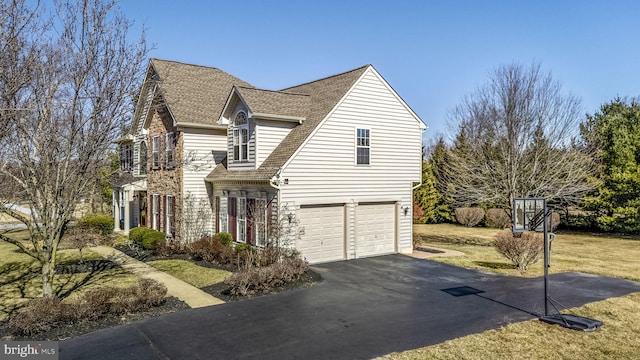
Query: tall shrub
(498, 218)
(469, 217)
(522, 251)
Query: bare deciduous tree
(76, 80)
(516, 138)
(196, 218)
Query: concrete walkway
(190, 294)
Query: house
(171, 146)
(332, 162)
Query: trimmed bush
(100, 223)
(243, 247)
(137, 234)
(225, 238)
(146, 238)
(152, 239)
(46, 313)
(522, 251)
(498, 218)
(256, 280)
(36, 316)
(211, 249)
(469, 217)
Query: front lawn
(595, 254)
(20, 278)
(187, 271)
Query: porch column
(127, 211)
(116, 210)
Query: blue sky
(431, 52)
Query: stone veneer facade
(164, 180)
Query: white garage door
(323, 238)
(375, 229)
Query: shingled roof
(193, 93)
(275, 102)
(324, 95)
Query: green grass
(588, 253)
(595, 254)
(20, 278)
(191, 273)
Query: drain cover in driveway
(462, 291)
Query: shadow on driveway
(364, 308)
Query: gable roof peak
(358, 69)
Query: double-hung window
(169, 213)
(170, 149)
(155, 151)
(156, 211)
(143, 159)
(240, 138)
(260, 221)
(363, 147)
(242, 219)
(126, 155)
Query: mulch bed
(171, 304)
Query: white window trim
(126, 157)
(155, 152)
(224, 214)
(169, 215)
(170, 149)
(156, 211)
(261, 209)
(142, 166)
(241, 221)
(237, 139)
(357, 146)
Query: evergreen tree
(614, 133)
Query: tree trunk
(48, 270)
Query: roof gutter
(265, 116)
(189, 125)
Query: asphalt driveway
(364, 308)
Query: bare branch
(516, 137)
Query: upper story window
(143, 159)
(126, 157)
(170, 149)
(240, 138)
(363, 147)
(155, 151)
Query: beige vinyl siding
(198, 159)
(268, 135)
(324, 170)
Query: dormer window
(126, 157)
(240, 137)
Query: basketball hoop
(531, 214)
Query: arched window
(240, 138)
(143, 158)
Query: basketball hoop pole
(527, 215)
(546, 261)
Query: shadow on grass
(453, 240)
(97, 271)
(21, 280)
(495, 265)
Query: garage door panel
(323, 238)
(375, 229)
